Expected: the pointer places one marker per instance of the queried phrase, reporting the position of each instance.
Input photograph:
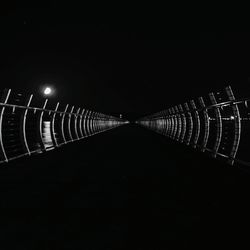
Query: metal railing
(217, 123)
(26, 129)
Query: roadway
(128, 188)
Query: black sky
(114, 66)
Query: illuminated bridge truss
(28, 126)
(217, 123)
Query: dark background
(127, 64)
(128, 188)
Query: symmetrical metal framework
(26, 129)
(215, 124)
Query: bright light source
(232, 117)
(47, 91)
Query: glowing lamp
(47, 91)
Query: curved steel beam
(80, 124)
(23, 126)
(197, 124)
(190, 123)
(179, 124)
(4, 100)
(62, 124)
(237, 126)
(69, 123)
(175, 123)
(52, 127)
(206, 125)
(183, 122)
(218, 125)
(75, 120)
(85, 123)
(41, 125)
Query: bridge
(212, 124)
(143, 145)
(70, 170)
(27, 130)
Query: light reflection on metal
(184, 123)
(4, 100)
(85, 123)
(23, 124)
(237, 125)
(189, 123)
(41, 125)
(192, 125)
(75, 119)
(197, 123)
(69, 123)
(49, 129)
(206, 124)
(53, 133)
(218, 125)
(179, 123)
(47, 135)
(80, 123)
(62, 124)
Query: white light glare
(47, 91)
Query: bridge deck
(125, 189)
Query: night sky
(117, 67)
